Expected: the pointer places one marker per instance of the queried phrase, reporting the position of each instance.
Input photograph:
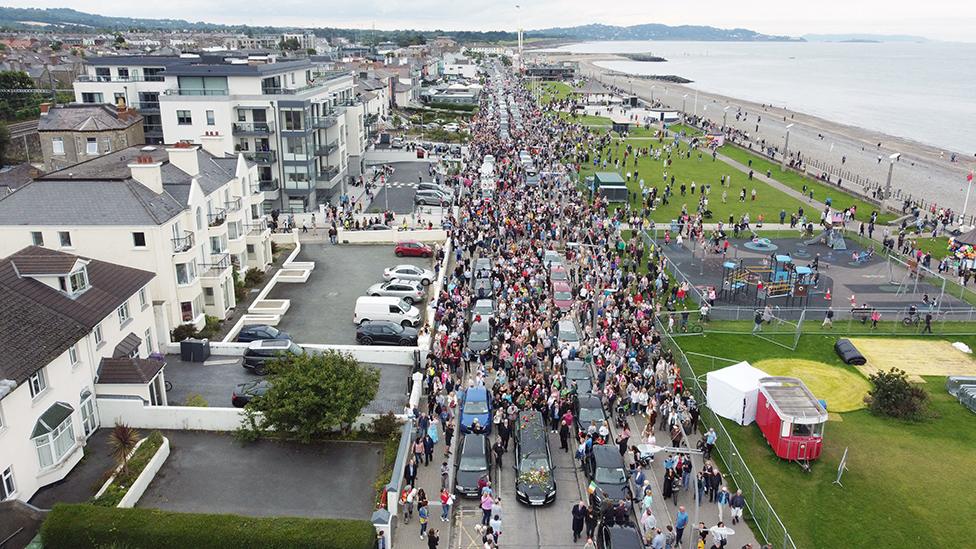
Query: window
(149, 341)
(210, 118)
(143, 298)
(183, 118)
(78, 281)
(57, 145)
(294, 119)
(208, 297)
(37, 238)
(37, 382)
(106, 144)
(91, 145)
(55, 444)
(139, 240)
(123, 73)
(241, 116)
(97, 331)
(7, 486)
(186, 273)
(65, 238)
(92, 97)
(186, 311)
(123, 312)
(103, 74)
(120, 98)
(73, 354)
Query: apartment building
(70, 134)
(294, 118)
(191, 214)
(73, 328)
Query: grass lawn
(905, 485)
(938, 247)
(586, 119)
(795, 181)
(552, 91)
(686, 170)
(688, 130)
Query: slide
(817, 239)
(838, 243)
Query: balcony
(256, 230)
(154, 130)
(327, 149)
(217, 217)
(145, 106)
(263, 158)
(219, 263)
(246, 129)
(328, 173)
(267, 185)
(196, 91)
(233, 205)
(325, 122)
(183, 244)
(107, 78)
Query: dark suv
(260, 353)
(474, 465)
(534, 481)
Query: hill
(654, 31)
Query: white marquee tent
(733, 392)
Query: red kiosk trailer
(791, 418)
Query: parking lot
(213, 473)
(216, 378)
(322, 308)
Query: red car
(412, 248)
(562, 296)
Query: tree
(311, 51)
(57, 45)
(893, 395)
(4, 143)
(292, 44)
(312, 395)
(15, 105)
(122, 440)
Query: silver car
(567, 333)
(410, 291)
(409, 272)
(485, 308)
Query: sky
(949, 20)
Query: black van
(535, 483)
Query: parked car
(475, 405)
(412, 248)
(431, 198)
(479, 338)
(568, 333)
(558, 273)
(410, 291)
(619, 536)
(397, 143)
(257, 332)
(379, 227)
(482, 267)
(535, 483)
(604, 466)
(244, 392)
(474, 464)
(589, 412)
(392, 309)
(562, 296)
(452, 127)
(384, 332)
(428, 186)
(485, 308)
(551, 258)
(259, 353)
(409, 272)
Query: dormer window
(75, 283)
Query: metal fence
(846, 321)
(764, 518)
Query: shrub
(125, 477)
(274, 247)
(89, 527)
(196, 400)
(210, 328)
(385, 426)
(253, 277)
(183, 331)
(893, 395)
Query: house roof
(133, 371)
(39, 323)
(128, 344)
(33, 265)
(15, 177)
(87, 118)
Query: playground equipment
(833, 236)
(760, 244)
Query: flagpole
(965, 204)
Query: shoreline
(920, 172)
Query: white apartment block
(190, 214)
(299, 122)
(73, 329)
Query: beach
(923, 172)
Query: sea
(922, 91)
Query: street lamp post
(652, 95)
(786, 145)
(652, 449)
(965, 204)
(684, 98)
(891, 168)
(725, 115)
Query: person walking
(407, 499)
(448, 437)
(579, 518)
(721, 500)
(433, 538)
(486, 505)
(422, 515)
(496, 525)
(564, 436)
(445, 474)
(680, 522)
(737, 503)
(828, 321)
(758, 320)
(447, 500)
(592, 518)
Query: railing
(101, 78)
(257, 227)
(217, 265)
(153, 129)
(266, 185)
(323, 122)
(328, 173)
(195, 91)
(183, 243)
(144, 106)
(217, 217)
(261, 157)
(252, 128)
(233, 205)
(327, 149)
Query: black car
(619, 536)
(474, 465)
(604, 466)
(581, 379)
(589, 411)
(244, 392)
(534, 480)
(384, 332)
(260, 331)
(379, 227)
(479, 338)
(259, 353)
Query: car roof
(481, 324)
(560, 286)
(484, 300)
(590, 401)
(408, 242)
(269, 343)
(624, 537)
(606, 455)
(568, 323)
(478, 392)
(473, 445)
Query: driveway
(213, 473)
(322, 308)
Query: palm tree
(123, 440)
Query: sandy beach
(923, 172)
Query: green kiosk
(611, 186)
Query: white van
(393, 309)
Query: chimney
(213, 144)
(183, 155)
(44, 108)
(149, 172)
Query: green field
(551, 91)
(906, 484)
(795, 181)
(586, 119)
(938, 247)
(769, 201)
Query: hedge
(84, 526)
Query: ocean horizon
(918, 91)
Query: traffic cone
(827, 295)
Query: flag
(970, 176)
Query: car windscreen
(473, 463)
(590, 414)
(567, 333)
(533, 463)
(479, 334)
(608, 475)
(404, 306)
(562, 296)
